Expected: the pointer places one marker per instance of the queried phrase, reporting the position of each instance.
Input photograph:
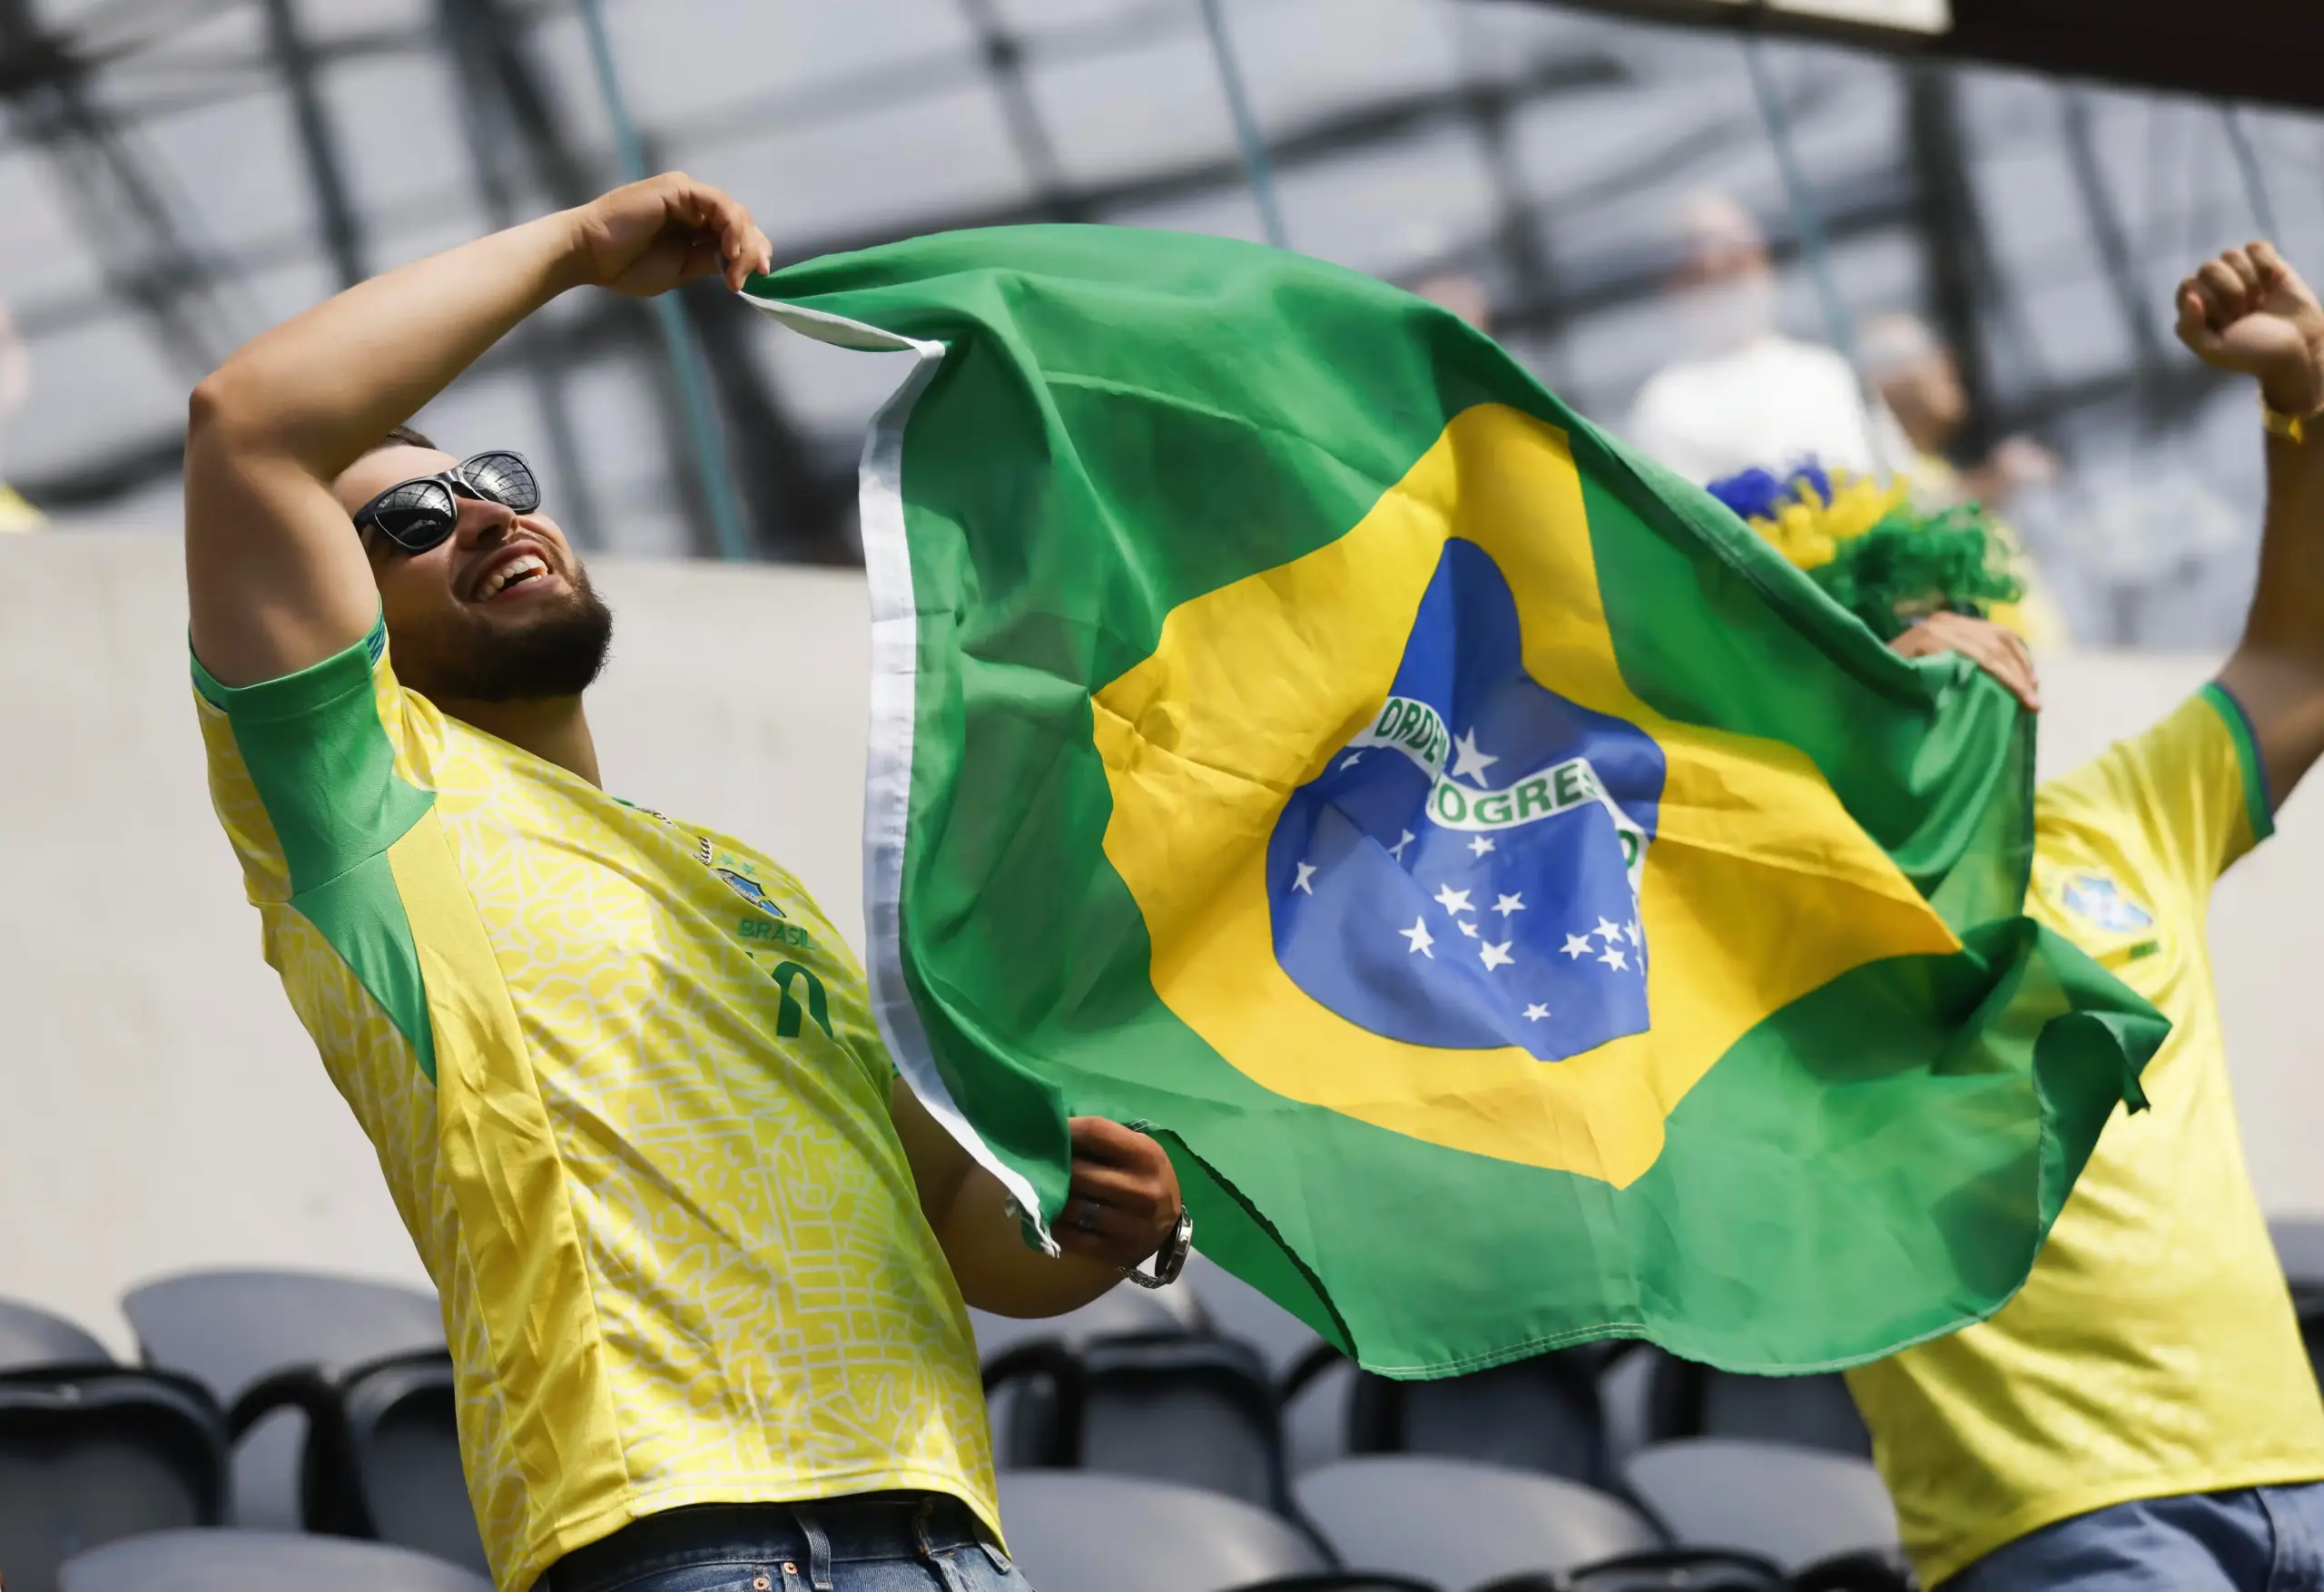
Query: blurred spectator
(1917, 377)
(16, 385)
(1461, 293)
(1745, 395)
(1919, 382)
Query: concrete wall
(160, 1108)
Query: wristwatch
(1171, 1258)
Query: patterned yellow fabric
(15, 514)
(2154, 1351)
(624, 1082)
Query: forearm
(997, 1271)
(319, 389)
(2277, 672)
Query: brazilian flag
(1527, 907)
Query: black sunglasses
(418, 514)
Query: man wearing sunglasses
(702, 1260)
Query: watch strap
(1170, 1259)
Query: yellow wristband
(2293, 427)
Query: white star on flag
(1307, 872)
(1421, 937)
(1613, 959)
(1505, 905)
(1481, 845)
(1452, 901)
(1349, 761)
(1578, 946)
(1468, 762)
(1467, 928)
(1611, 932)
(1397, 851)
(1495, 956)
(1536, 1012)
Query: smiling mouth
(520, 571)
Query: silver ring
(1088, 1221)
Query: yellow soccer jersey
(624, 1085)
(2154, 1351)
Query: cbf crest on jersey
(1465, 873)
(2101, 901)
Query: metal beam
(551, 159)
(2118, 261)
(1028, 134)
(801, 499)
(483, 119)
(120, 204)
(318, 142)
(2263, 50)
(1951, 238)
(1321, 137)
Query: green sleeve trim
(362, 915)
(2256, 804)
(324, 768)
(288, 692)
(321, 761)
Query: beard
(463, 655)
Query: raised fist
(2249, 311)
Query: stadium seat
(92, 1455)
(1124, 1311)
(1539, 1414)
(1194, 1410)
(1666, 1569)
(1078, 1531)
(1234, 1309)
(1463, 1524)
(1795, 1506)
(2299, 1246)
(382, 1456)
(30, 1336)
(259, 1561)
(1688, 1401)
(230, 1330)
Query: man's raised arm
(2248, 312)
(276, 577)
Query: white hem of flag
(887, 775)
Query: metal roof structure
(177, 174)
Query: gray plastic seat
(230, 1330)
(1123, 1311)
(1795, 1506)
(1685, 1400)
(2299, 1246)
(90, 1455)
(32, 1336)
(1078, 1531)
(1542, 1414)
(1236, 1310)
(1314, 1413)
(260, 1561)
(1187, 1408)
(1462, 1523)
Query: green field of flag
(1528, 910)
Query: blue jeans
(2254, 1539)
(876, 1542)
